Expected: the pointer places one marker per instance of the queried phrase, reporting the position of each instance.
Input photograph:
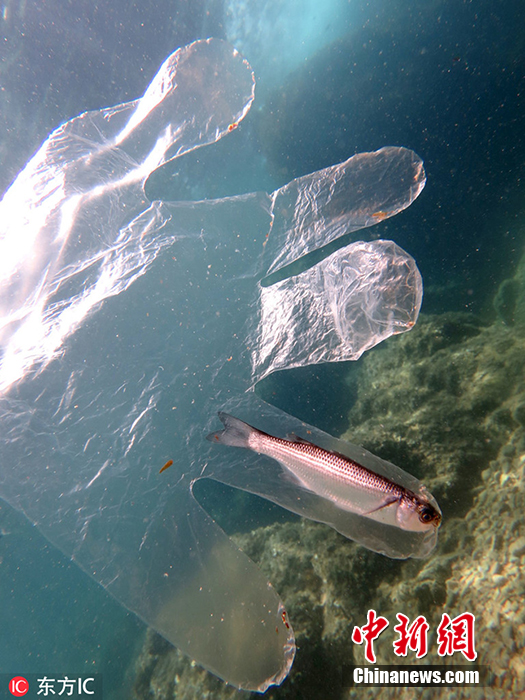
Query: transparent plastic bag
(126, 324)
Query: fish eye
(426, 515)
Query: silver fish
(337, 478)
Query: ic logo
(18, 686)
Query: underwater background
(446, 401)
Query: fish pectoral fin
(292, 478)
(390, 501)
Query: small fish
(380, 215)
(166, 466)
(349, 485)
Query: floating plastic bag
(127, 324)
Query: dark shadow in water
(321, 395)
(238, 511)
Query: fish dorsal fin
(292, 437)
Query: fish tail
(236, 432)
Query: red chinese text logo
(413, 637)
(369, 633)
(453, 636)
(457, 635)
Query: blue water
(445, 80)
(54, 619)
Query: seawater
(444, 80)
